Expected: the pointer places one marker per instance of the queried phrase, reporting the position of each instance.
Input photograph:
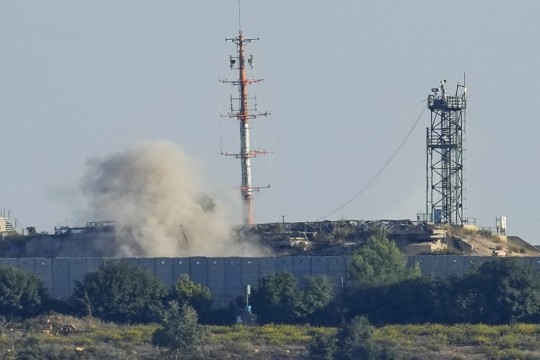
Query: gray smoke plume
(153, 192)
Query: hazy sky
(345, 82)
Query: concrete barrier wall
(163, 271)
(228, 277)
(216, 279)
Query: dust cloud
(154, 194)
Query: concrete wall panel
(455, 265)
(77, 271)
(8, 262)
(487, 258)
(535, 262)
(232, 278)
(301, 266)
(250, 272)
(411, 260)
(267, 266)
(27, 265)
(525, 260)
(147, 264)
(198, 270)
(164, 271)
(471, 262)
(338, 264)
(439, 266)
(319, 265)
(179, 266)
(284, 264)
(61, 283)
(93, 263)
(423, 261)
(216, 281)
(337, 270)
(44, 271)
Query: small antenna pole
(239, 18)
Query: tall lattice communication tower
(445, 162)
(244, 108)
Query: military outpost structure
(228, 277)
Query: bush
(353, 341)
(179, 333)
(323, 346)
(500, 291)
(274, 298)
(379, 263)
(410, 301)
(187, 293)
(21, 294)
(120, 293)
(313, 299)
(279, 298)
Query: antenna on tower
(244, 108)
(239, 18)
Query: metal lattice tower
(244, 108)
(445, 162)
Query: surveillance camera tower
(445, 169)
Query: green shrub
(21, 294)
(120, 293)
(323, 347)
(179, 333)
(379, 263)
(188, 293)
(280, 298)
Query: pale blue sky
(344, 80)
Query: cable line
(378, 173)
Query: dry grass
(94, 339)
(518, 341)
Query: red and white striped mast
(241, 110)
